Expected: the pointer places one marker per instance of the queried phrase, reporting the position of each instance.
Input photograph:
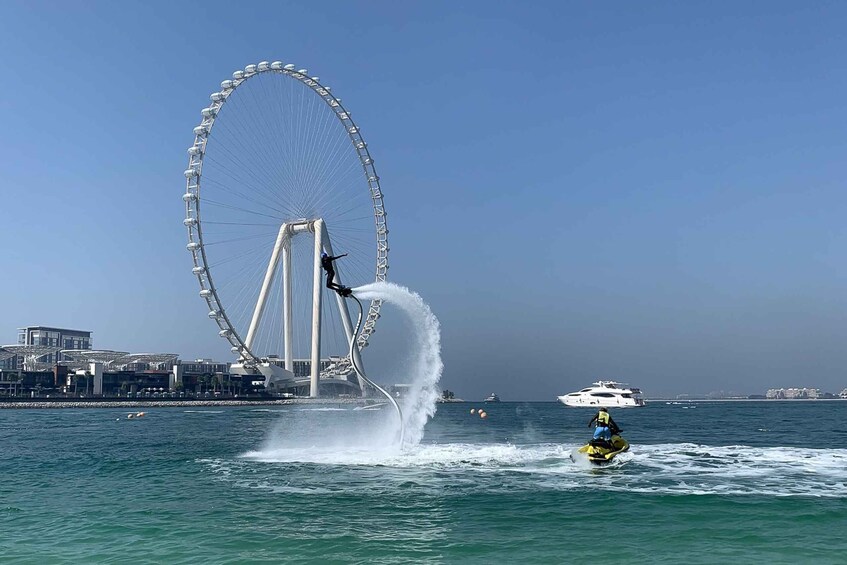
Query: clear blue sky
(652, 192)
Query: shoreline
(116, 403)
(42, 403)
(747, 400)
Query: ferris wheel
(279, 173)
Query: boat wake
(740, 470)
(675, 469)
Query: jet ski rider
(326, 263)
(604, 425)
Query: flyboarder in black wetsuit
(326, 263)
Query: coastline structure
(52, 403)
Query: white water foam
(334, 435)
(424, 368)
(740, 469)
(675, 469)
(490, 457)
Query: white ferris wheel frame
(192, 199)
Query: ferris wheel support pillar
(318, 228)
(288, 341)
(282, 242)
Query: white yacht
(609, 394)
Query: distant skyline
(650, 193)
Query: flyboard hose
(364, 377)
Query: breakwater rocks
(107, 403)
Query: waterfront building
(794, 393)
(775, 394)
(194, 375)
(199, 367)
(8, 360)
(17, 382)
(203, 366)
(47, 336)
(76, 369)
(303, 367)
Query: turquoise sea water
(703, 483)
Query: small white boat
(607, 394)
(492, 398)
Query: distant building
(8, 362)
(399, 390)
(52, 360)
(775, 394)
(300, 367)
(204, 367)
(794, 393)
(60, 338)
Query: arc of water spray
(361, 372)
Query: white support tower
(282, 250)
(317, 229)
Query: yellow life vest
(603, 419)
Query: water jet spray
(361, 372)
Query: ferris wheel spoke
(342, 212)
(240, 184)
(235, 149)
(283, 143)
(331, 180)
(238, 224)
(239, 171)
(209, 202)
(317, 160)
(332, 153)
(240, 239)
(269, 144)
(229, 189)
(246, 135)
(318, 156)
(240, 257)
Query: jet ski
(601, 451)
